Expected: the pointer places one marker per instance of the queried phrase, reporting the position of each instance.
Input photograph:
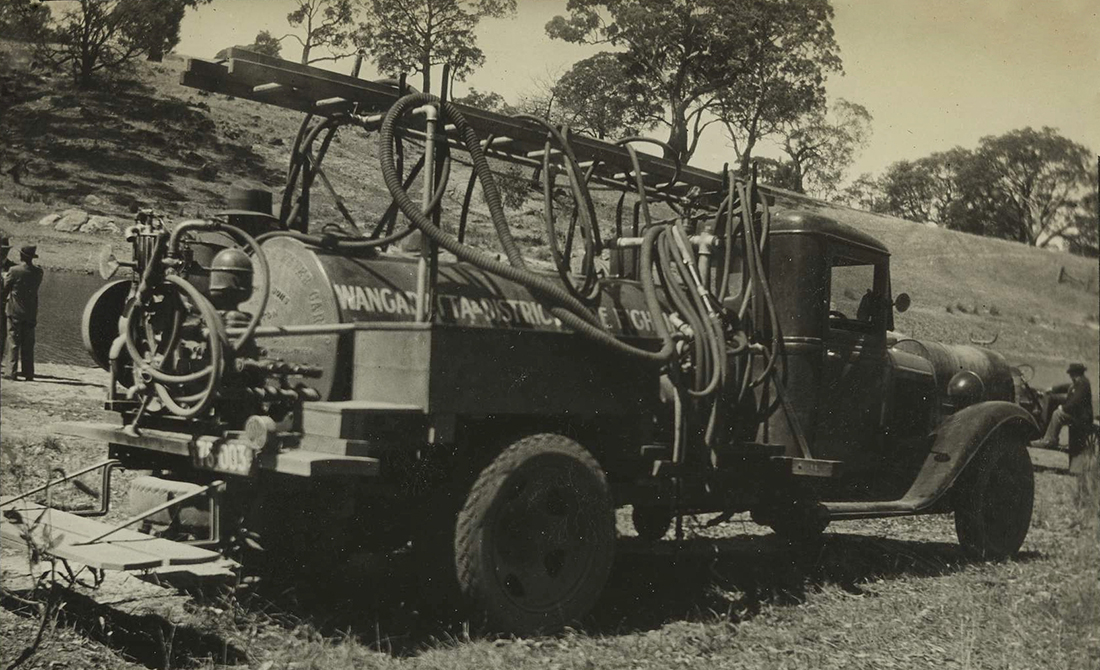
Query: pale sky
(934, 73)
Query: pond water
(60, 304)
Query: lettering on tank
(482, 311)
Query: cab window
(854, 302)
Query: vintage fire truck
(304, 392)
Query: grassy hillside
(144, 140)
(892, 593)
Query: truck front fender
(960, 437)
(955, 443)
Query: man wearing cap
(1076, 411)
(21, 294)
(5, 265)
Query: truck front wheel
(535, 539)
(994, 500)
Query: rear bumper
(228, 455)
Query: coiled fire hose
(589, 290)
(564, 305)
(137, 314)
(306, 168)
(676, 264)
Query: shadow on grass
(381, 602)
(64, 381)
(733, 577)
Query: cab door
(850, 418)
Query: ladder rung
(541, 152)
(267, 88)
(328, 102)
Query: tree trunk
(426, 66)
(678, 133)
(305, 52)
(87, 67)
(746, 157)
(797, 176)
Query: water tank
(497, 321)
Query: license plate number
(221, 455)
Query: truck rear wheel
(994, 501)
(535, 539)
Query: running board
(876, 509)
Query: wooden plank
(159, 440)
(59, 541)
(213, 77)
(107, 556)
(239, 54)
(64, 534)
(172, 553)
(371, 97)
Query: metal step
(349, 419)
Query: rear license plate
(223, 455)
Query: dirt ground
(875, 594)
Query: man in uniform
(5, 265)
(1076, 411)
(21, 294)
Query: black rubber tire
(535, 539)
(651, 522)
(995, 498)
(147, 492)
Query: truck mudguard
(955, 442)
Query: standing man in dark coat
(21, 294)
(1076, 411)
(5, 265)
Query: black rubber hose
(293, 167)
(567, 308)
(588, 292)
(297, 162)
(665, 147)
(579, 186)
(257, 252)
(674, 288)
(359, 244)
(216, 337)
